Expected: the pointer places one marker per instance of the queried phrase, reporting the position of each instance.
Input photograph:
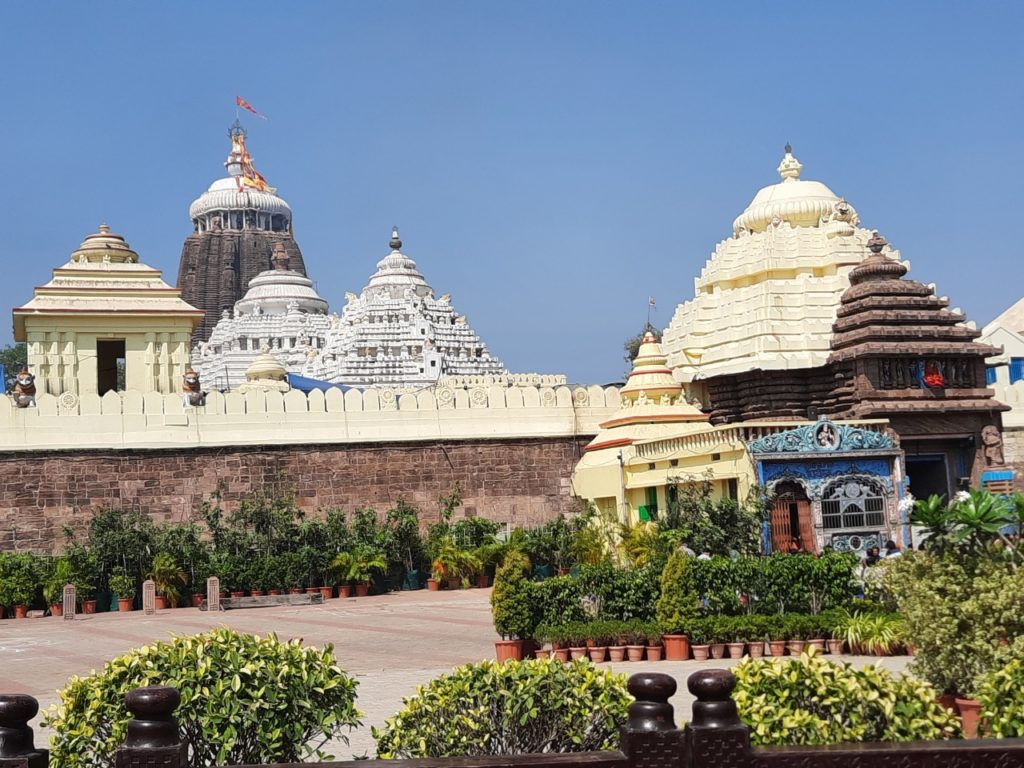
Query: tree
(632, 345)
(13, 358)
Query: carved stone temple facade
(236, 225)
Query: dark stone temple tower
(236, 224)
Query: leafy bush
(678, 602)
(813, 701)
(244, 699)
(962, 614)
(511, 605)
(510, 708)
(1001, 694)
(558, 600)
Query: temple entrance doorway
(110, 365)
(791, 519)
(928, 474)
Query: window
(110, 366)
(732, 490)
(852, 504)
(1016, 369)
(652, 502)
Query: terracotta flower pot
(273, 591)
(777, 647)
(160, 602)
(562, 654)
(756, 650)
(294, 590)
(970, 714)
(718, 650)
(362, 590)
(616, 652)
(88, 606)
(257, 592)
(125, 604)
(597, 653)
(578, 653)
(482, 582)
(20, 611)
(57, 609)
(654, 652)
(508, 650)
(835, 647)
(542, 653)
(197, 600)
(344, 590)
(818, 644)
(433, 585)
(327, 592)
(796, 647)
(677, 647)
(736, 650)
(312, 590)
(948, 700)
(635, 652)
(238, 593)
(453, 583)
(700, 652)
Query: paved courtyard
(391, 643)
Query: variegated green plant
(244, 699)
(511, 708)
(808, 700)
(1001, 694)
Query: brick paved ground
(391, 643)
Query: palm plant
(933, 515)
(358, 565)
(167, 577)
(451, 562)
(980, 518)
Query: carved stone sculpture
(192, 392)
(25, 390)
(993, 446)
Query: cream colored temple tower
(104, 310)
(767, 296)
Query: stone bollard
(153, 738)
(148, 597)
(716, 735)
(213, 594)
(70, 600)
(650, 738)
(16, 745)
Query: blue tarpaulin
(304, 384)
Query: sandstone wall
(522, 481)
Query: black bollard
(153, 738)
(716, 736)
(650, 738)
(16, 745)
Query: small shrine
(653, 443)
(106, 322)
(265, 374)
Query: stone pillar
(70, 601)
(213, 594)
(153, 738)
(148, 597)
(17, 748)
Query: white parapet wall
(131, 420)
(1013, 396)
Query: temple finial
(789, 148)
(789, 168)
(395, 242)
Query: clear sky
(550, 164)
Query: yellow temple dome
(650, 375)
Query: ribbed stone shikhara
(236, 223)
(281, 312)
(396, 333)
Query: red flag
(239, 101)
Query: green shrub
(678, 603)
(1001, 694)
(510, 708)
(557, 600)
(813, 701)
(633, 593)
(512, 607)
(244, 699)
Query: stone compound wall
(512, 451)
(524, 482)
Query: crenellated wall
(511, 450)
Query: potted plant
(511, 607)
(756, 635)
(597, 641)
(18, 583)
(735, 630)
(168, 579)
(718, 635)
(777, 635)
(454, 566)
(359, 566)
(617, 641)
(488, 555)
(559, 646)
(652, 633)
(636, 640)
(576, 639)
(123, 586)
(818, 628)
(677, 605)
(796, 632)
(699, 638)
(59, 576)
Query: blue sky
(550, 164)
